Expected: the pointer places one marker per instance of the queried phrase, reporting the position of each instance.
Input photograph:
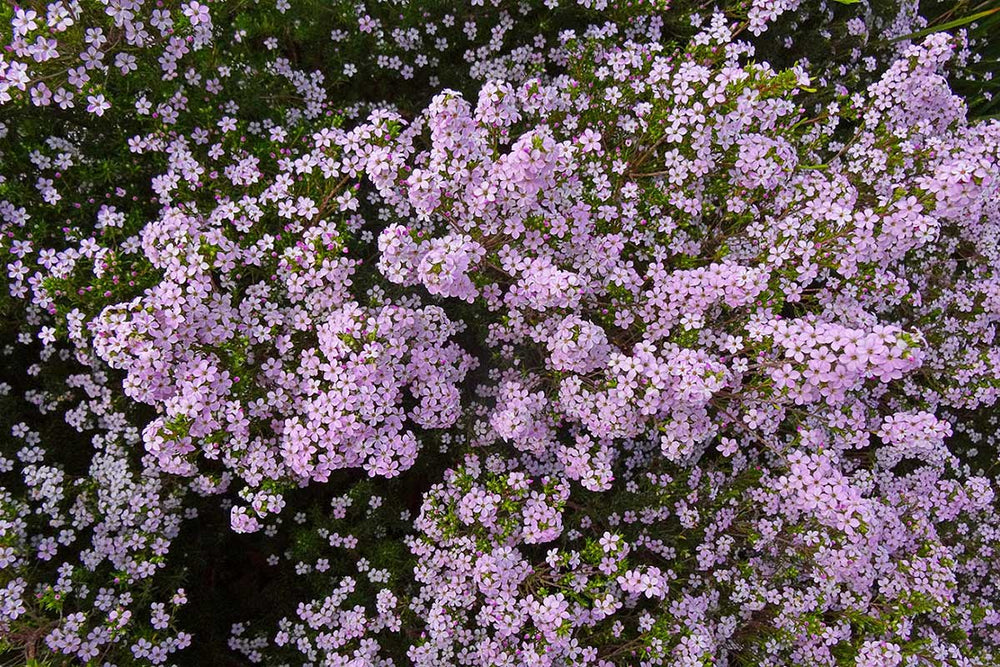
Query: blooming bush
(554, 333)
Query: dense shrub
(540, 333)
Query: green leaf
(957, 23)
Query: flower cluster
(434, 333)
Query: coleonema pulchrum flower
(367, 333)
